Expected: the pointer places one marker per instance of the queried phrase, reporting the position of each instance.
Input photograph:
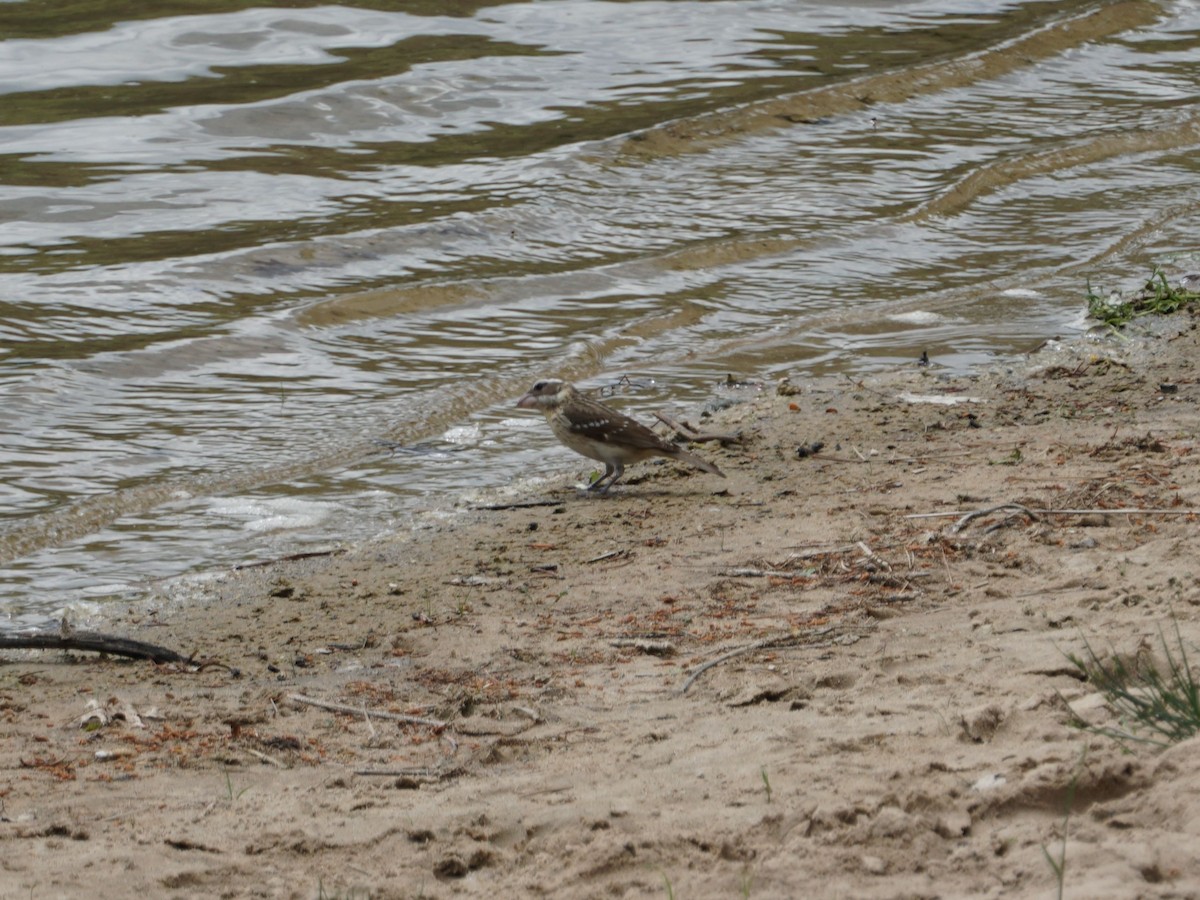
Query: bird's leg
(598, 485)
(615, 471)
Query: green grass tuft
(1160, 708)
(1157, 297)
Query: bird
(601, 433)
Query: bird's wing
(610, 425)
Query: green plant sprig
(1160, 708)
(1157, 297)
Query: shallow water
(247, 251)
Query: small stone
(874, 865)
(451, 867)
(989, 782)
(982, 723)
(479, 859)
(891, 821)
(953, 825)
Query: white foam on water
(463, 435)
(276, 514)
(917, 317)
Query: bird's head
(546, 395)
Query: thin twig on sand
(519, 504)
(358, 711)
(978, 513)
(291, 557)
(771, 643)
(967, 516)
(697, 437)
(874, 557)
(1092, 511)
(748, 572)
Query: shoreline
(751, 683)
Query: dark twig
(291, 557)
(978, 513)
(95, 643)
(697, 437)
(520, 504)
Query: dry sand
(893, 727)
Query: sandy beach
(821, 676)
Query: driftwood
(291, 557)
(363, 711)
(96, 643)
(415, 776)
(520, 504)
(779, 642)
(965, 520)
(697, 437)
(748, 572)
(1034, 513)
(645, 645)
(611, 554)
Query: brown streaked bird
(598, 432)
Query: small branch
(764, 573)
(1034, 513)
(95, 643)
(359, 710)
(291, 557)
(874, 557)
(975, 514)
(790, 640)
(697, 437)
(611, 554)
(425, 775)
(644, 645)
(732, 654)
(520, 504)
(258, 754)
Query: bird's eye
(539, 386)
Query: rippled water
(244, 249)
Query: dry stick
(873, 556)
(749, 648)
(924, 457)
(291, 557)
(264, 757)
(764, 573)
(817, 551)
(694, 436)
(653, 648)
(946, 565)
(96, 643)
(520, 504)
(609, 555)
(962, 522)
(1121, 511)
(358, 711)
(417, 774)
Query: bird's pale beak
(527, 402)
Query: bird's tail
(693, 460)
